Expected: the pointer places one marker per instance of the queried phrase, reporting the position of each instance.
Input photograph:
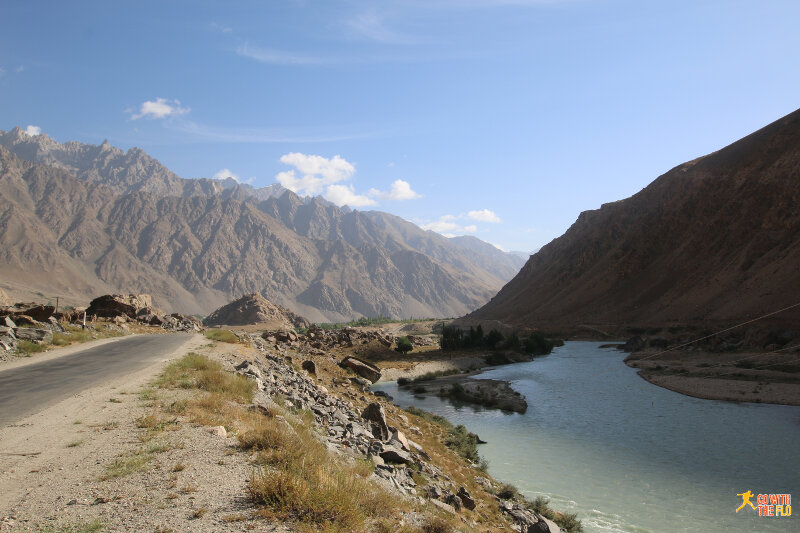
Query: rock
(7, 331)
(377, 460)
(55, 325)
(39, 313)
(443, 506)
(374, 414)
(26, 322)
(362, 368)
(113, 305)
(34, 334)
(453, 500)
(9, 323)
(400, 438)
(362, 383)
(432, 492)
(392, 454)
(8, 343)
(309, 367)
(218, 431)
(466, 499)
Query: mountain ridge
(90, 219)
(713, 240)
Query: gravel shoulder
(52, 464)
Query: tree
(404, 345)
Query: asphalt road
(29, 389)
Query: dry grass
(222, 335)
(297, 478)
(195, 371)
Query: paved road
(29, 389)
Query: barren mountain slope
(77, 237)
(716, 239)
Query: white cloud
(221, 28)
(317, 172)
(401, 190)
(2, 71)
(19, 69)
(484, 215)
(345, 195)
(159, 108)
(447, 226)
(277, 57)
(33, 131)
(371, 26)
(225, 174)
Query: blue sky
(500, 119)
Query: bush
(404, 345)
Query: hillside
(80, 220)
(713, 241)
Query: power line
(719, 332)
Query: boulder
(466, 498)
(9, 323)
(392, 454)
(113, 305)
(34, 334)
(374, 414)
(362, 368)
(309, 366)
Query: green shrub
(404, 345)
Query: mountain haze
(78, 220)
(714, 240)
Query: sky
(502, 119)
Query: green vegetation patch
(458, 439)
(222, 335)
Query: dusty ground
(740, 377)
(52, 465)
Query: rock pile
(365, 432)
(40, 332)
(253, 309)
(114, 305)
(122, 308)
(318, 341)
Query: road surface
(28, 389)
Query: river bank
(672, 460)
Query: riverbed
(629, 456)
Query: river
(629, 456)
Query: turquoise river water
(628, 456)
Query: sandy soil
(463, 364)
(51, 465)
(738, 377)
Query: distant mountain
(78, 220)
(714, 240)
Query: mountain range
(715, 240)
(79, 220)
